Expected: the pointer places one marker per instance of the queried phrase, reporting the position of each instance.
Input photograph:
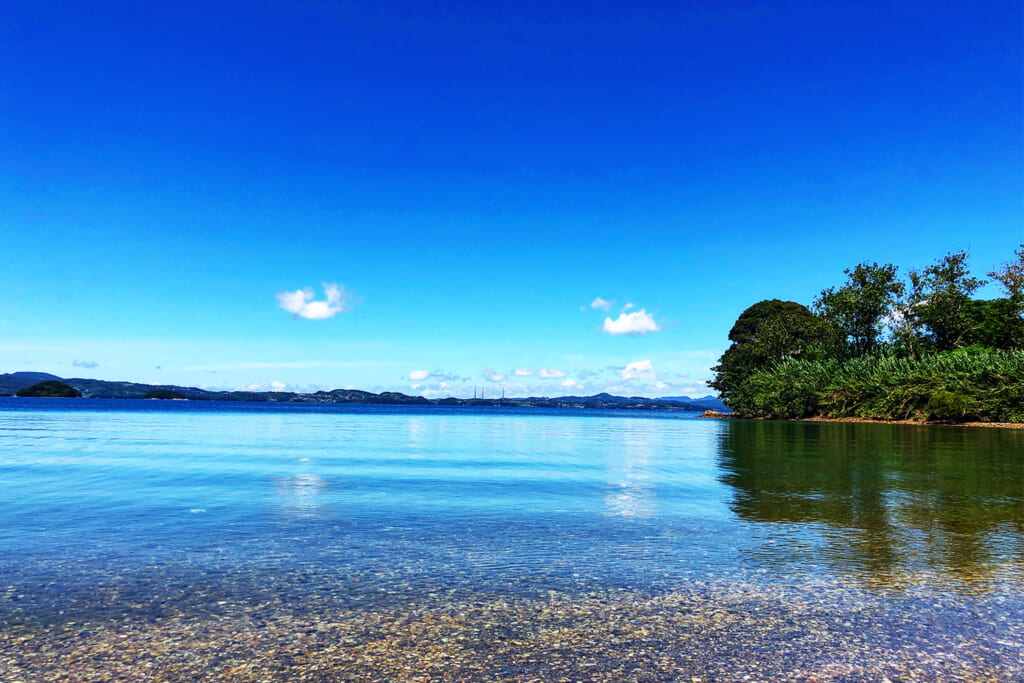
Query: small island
(50, 389)
(165, 395)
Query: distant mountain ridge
(95, 388)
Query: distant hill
(96, 388)
(709, 402)
(14, 382)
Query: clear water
(109, 505)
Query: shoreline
(866, 420)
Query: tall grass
(967, 384)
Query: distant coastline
(11, 383)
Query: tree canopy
(938, 301)
(771, 331)
(859, 308)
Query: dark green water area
(147, 541)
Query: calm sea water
(109, 506)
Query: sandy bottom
(737, 632)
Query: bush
(945, 405)
(975, 383)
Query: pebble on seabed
(743, 633)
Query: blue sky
(472, 177)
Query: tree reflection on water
(888, 503)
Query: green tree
(860, 307)
(767, 333)
(938, 303)
(994, 324)
(1011, 277)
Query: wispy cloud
(437, 375)
(522, 372)
(552, 373)
(493, 376)
(88, 364)
(602, 304)
(638, 322)
(641, 369)
(301, 304)
(572, 384)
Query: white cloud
(629, 305)
(639, 322)
(88, 364)
(640, 369)
(441, 375)
(572, 384)
(604, 305)
(552, 373)
(492, 376)
(263, 386)
(522, 372)
(300, 303)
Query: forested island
(40, 384)
(881, 347)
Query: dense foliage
(769, 332)
(966, 384)
(879, 348)
(50, 389)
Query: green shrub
(945, 405)
(974, 383)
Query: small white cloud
(661, 386)
(439, 375)
(300, 303)
(492, 376)
(277, 386)
(552, 373)
(639, 322)
(604, 305)
(629, 305)
(88, 364)
(640, 369)
(572, 384)
(522, 372)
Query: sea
(185, 540)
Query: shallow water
(864, 550)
